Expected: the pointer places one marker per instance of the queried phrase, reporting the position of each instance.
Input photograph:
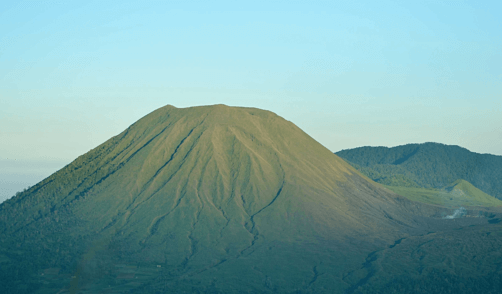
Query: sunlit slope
(459, 193)
(215, 192)
(428, 165)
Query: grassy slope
(220, 197)
(429, 165)
(460, 193)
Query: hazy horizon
(73, 75)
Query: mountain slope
(459, 193)
(202, 199)
(428, 165)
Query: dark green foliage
(438, 282)
(429, 165)
(461, 260)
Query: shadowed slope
(221, 197)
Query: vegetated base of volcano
(220, 199)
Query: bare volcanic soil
(219, 199)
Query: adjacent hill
(202, 199)
(459, 193)
(428, 165)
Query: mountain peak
(209, 189)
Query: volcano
(210, 199)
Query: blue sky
(352, 73)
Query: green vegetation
(460, 193)
(463, 260)
(217, 199)
(223, 198)
(428, 165)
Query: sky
(349, 73)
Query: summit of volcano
(204, 199)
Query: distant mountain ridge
(428, 165)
